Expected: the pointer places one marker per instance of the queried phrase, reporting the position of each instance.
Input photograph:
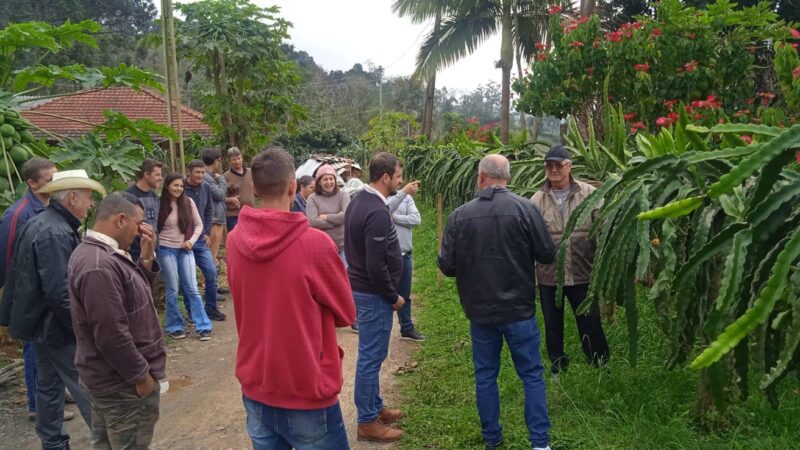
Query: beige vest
(580, 252)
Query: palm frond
(457, 37)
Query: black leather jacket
(35, 304)
(490, 245)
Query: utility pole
(173, 92)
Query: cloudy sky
(340, 33)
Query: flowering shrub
(704, 59)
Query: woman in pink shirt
(179, 227)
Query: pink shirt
(171, 236)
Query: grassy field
(622, 407)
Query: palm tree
(421, 11)
(465, 24)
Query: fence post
(439, 232)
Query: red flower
(662, 122)
(668, 104)
(697, 116)
(797, 157)
(766, 97)
(541, 57)
(710, 102)
(741, 112)
(673, 117)
(749, 101)
(747, 139)
(690, 66)
(655, 33)
(637, 126)
(794, 45)
(636, 25)
(595, 44)
(554, 9)
(540, 46)
(615, 36)
(583, 20)
(641, 67)
(590, 70)
(796, 72)
(795, 33)
(576, 44)
(629, 116)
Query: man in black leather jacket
(490, 245)
(35, 303)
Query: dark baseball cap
(557, 153)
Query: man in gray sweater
(406, 216)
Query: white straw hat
(72, 179)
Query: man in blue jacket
(198, 190)
(37, 173)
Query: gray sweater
(406, 216)
(334, 206)
(218, 188)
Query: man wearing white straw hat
(35, 303)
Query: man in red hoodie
(290, 292)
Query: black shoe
(221, 298)
(205, 335)
(412, 335)
(493, 446)
(560, 365)
(215, 314)
(177, 335)
(354, 328)
(223, 291)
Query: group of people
(308, 260)
(83, 306)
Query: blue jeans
(207, 265)
(374, 318)
(231, 222)
(178, 269)
(57, 371)
(523, 341)
(29, 361)
(272, 428)
(404, 289)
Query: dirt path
(203, 407)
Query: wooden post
(439, 226)
(173, 93)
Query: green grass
(622, 407)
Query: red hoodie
(290, 292)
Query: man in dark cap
(556, 200)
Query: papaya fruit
(7, 130)
(4, 186)
(18, 154)
(11, 114)
(8, 141)
(26, 136)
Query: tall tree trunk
(588, 7)
(221, 86)
(430, 92)
(506, 62)
(522, 122)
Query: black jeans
(590, 329)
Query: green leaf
(673, 210)
(757, 160)
(761, 309)
(749, 128)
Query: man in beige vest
(558, 198)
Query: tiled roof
(87, 107)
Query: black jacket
(35, 304)
(490, 245)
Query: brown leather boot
(390, 416)
(377, 432)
